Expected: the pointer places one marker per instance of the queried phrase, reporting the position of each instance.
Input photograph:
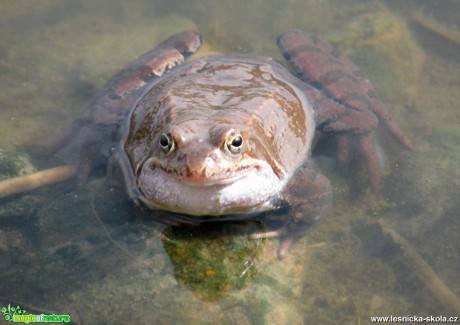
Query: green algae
(197, 253)
(16, 164)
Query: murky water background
(87, 253)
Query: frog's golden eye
(166, 142)
(234, 143)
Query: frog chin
(245, 192)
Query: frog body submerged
(232, 134)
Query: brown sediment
(42, 178)
(434, 283)
(427, 22)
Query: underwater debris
(33, 181)
(423, 270)
(429, 23)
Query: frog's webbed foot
(309, 197)
(345, 103)
(97, 129)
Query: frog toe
(286, 240)
(365, 146)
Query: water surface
(88, 253)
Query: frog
(230, 136)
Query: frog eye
(166, 142)
(234, 143)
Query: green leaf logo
(10, 311)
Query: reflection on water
(88, 252)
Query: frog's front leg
(309, 197)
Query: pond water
(89, 253)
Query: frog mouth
(205, 176)
(241, 189)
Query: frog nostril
(213, 157)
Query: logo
(18, 315)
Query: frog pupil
(164, 141)
(237, 141)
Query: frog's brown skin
(227, 136)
